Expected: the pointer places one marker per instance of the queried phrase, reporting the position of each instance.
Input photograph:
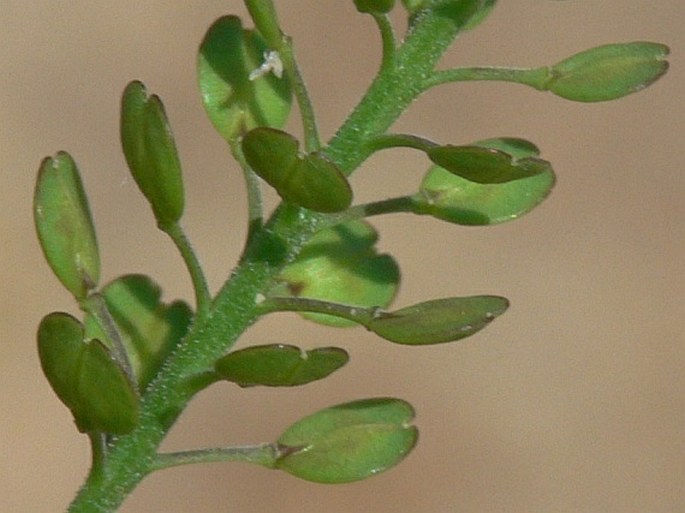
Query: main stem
(131, 457)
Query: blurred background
(571, 402)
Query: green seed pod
(348, 442)
(279, 365)
(439, 320)
(60, 347)
(342, 265)
(608, 72)
(486, 165)
(452, 198)
(148, 327)
(64, 225)
(85, 377)
(151, 153)
(234, 97)
(109, 401)
(310, 181)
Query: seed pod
(85, 377)
(310, 180)
(485, 165)
(151, 153)
(148, 327)
(279, 365)
(64, 225)
(452, 198)
(235, 98)
(439, 320)
(348, 442)
(608, 72)
(341, 264)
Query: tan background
(572, 402)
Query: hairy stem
(397, 86)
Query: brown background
(572, 402)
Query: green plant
(129, 369)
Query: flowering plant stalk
(129, 368)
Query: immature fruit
(279, 365)
(151, 153)
(234, 102)
(439, 320)
(64, 225)
(348, 442)
(85, 377)
(308, 180)
(608, 72)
